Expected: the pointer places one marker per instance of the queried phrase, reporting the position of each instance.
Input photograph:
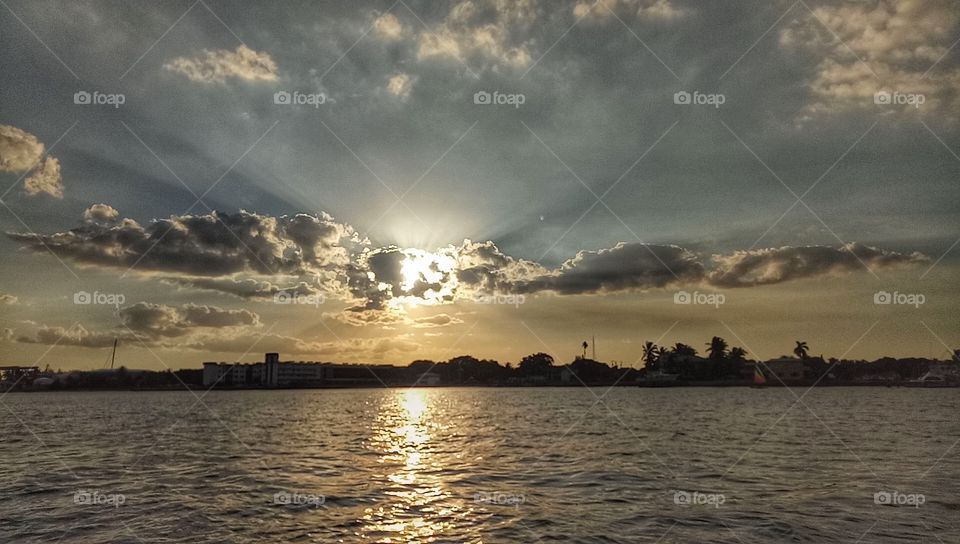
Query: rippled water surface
(481, 465)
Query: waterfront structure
(273, 372)
(787, 369)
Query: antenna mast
(593, 342)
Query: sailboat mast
(113, 357)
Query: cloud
(662, 10)
(159, 320)
(19, 150)
(22, 152)
(6, 335)
(217, 66)
(45, 179)
(484, 268)
(387, 26)
(776, 265)
(438, 320)
(255, 256)
(400, 85)
(359, 316)
(898, 42)
(226, 340)
(100, 213)
(76, 335)
(625, 266)
(154, 325)
(482, 32)
(247, 288)
(215, 244)
(7, 298)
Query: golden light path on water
(420, 506)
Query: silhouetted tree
(536, 364)
(717, 348)
(585, 346)
(801, 350)
(684, 350)
(650, 354)
(738, 354)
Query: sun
(420, 269)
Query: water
(481, 465)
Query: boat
(659, 378)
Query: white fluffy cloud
(482, 31)
(219, 65)
(663, 10)
(22, 152)
(400, 85)
(884, 45)
(45, 179)
(388, 26)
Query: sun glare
(427, 278)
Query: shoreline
(906, 385)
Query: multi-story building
(275, 373)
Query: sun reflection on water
(418, 505)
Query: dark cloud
(776, 265)
(247, 288)
(214, 244)
(158, 320)
(623, 267)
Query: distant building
(941, 373)
(273, 372)
(788, 369)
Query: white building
(265, 374)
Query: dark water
(482, 465)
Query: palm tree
(801, 349)
(738, 354)
(650, 353)
(717, 347)
(684, 350)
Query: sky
(389, 181)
